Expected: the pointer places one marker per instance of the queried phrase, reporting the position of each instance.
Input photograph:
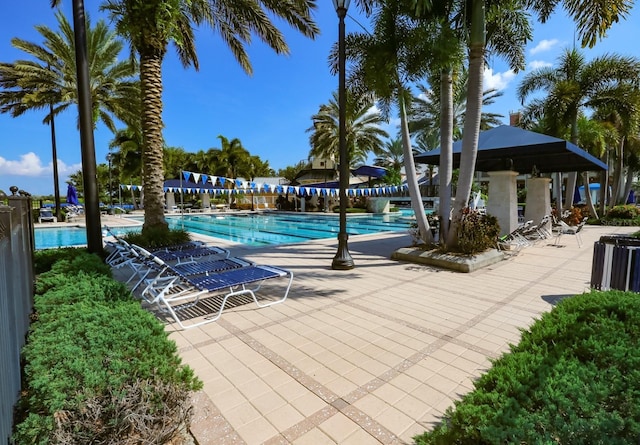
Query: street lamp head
(341, 4)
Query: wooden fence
(16, 299)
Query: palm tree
(391, 156)
(149, 25)
(363, 132)
(575, 85)
(128, 158)
(48, 81)
(593, 20)
(384, 63)
(50, 78)
(425, 112)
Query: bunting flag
(244, 186)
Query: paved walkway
(372, 355)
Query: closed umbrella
(72, 195)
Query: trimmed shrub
(65, 270)
(477, 232)
(156, 238)
(573, 378)
(97, 367)
(43, 260)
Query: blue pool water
(250, 229)
(51, 237)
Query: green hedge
(573, 378)
(98, 368)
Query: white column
(503, 199)
(205, 199)
(170, 198)
(538, 199)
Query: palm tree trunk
(410, 170)
(628, 184)
(617, 175)
(445, 171)
(587, 191)
(471, 131)
(572, 180)
(558, 184)
(153, 143)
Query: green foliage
(96, 364)
(627, 211)
(477, 232)
(43, 260)
(153, 237)
(66, 270)
(573, 378)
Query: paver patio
(371, 355)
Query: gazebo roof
(513, 148)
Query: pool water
(52, 237)
(250, 229)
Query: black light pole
(56, 188)
(87, 148)
(342, 260)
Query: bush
(155, 238)
(43, 260)
(573, 378)
(477, 232)
(97, 367)
(66, 270)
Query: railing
(16, 299)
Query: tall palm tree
(385, 62)
(426, 110)
(149, 25)
(48, 81)
(364, 134)
(128, 157)
(232, 159)
(575, 85)
(391, 156)
(593, 17)
(50, 76)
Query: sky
(269, 111)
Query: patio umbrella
(72, 195)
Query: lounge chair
(191, 254)
(517, 239)
(565, 229)
(46, 215)
(180, 287)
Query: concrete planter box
(378, 205)
(457, 262)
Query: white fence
(16, 300)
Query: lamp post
(342, 260)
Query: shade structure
(513, 148)
(371, 171)
(72, 195)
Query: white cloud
(544, 45)
(31, 165)
(498, 81)
(535, 64)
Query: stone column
(205, 199)
(538, 199)
(171, 201)
(503, 199)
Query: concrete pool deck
(372, 355)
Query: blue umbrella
(72, 195)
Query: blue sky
(269, 111)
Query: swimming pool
(262, 229)
(250, 229)
(69, 236)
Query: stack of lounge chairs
(526, 234)
(174, 280)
